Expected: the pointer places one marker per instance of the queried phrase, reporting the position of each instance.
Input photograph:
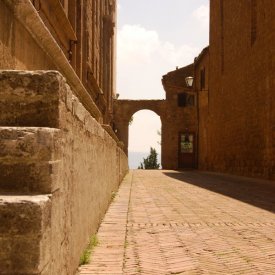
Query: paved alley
(168, 222)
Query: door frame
(194, 154)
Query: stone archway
(125, 109)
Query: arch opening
(144, 132)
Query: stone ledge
(29, 160)
(24, 234)
(42, 99)
(39, 144)
(29, 98)
(110, 131)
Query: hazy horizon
(135, 158)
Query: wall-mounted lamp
(189, 81)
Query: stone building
(60, 161)
(236, 114)
(179, 126)
(83, 32)
(234, 81)
(178, 115)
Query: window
(185, 100)
(187, 143)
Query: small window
(182, 100)
(185, 100)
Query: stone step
(29, 160)
(25, 234)
(30, 98)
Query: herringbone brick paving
(187, 223)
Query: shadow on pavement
(260, 193)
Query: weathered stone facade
(60, 172)
(53, 34)
(60, 160)
(201, 88)
(238, 135)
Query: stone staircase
(29, 158)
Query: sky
(153, 38)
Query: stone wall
(201, 86)
(18, 49)
(59, 168)
(241, 88)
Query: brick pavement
(187, 223)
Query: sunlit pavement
(168, 222)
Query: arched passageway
(125, 109)
(143, 134)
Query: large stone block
(29, 98)
(29, 160)
(24, 234)
(40, 144)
